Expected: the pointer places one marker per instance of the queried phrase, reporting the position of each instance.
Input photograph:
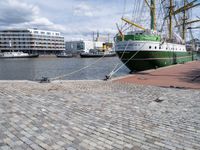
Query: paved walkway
(97, 115)
(182, 76)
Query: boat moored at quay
(98, 54)
(144, 49)
(64, 55)
(148, 51)
(17, 55)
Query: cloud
(75, 19)
(17, 14)
(12, 12)
(83, 9)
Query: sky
(75, 19)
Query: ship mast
(152, 7)
(184, 21)
(153, 14)
(170, 19)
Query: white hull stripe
(158, 58)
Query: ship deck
(176, 76)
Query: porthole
(149, 47)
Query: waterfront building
(82, 46)
(31, 41)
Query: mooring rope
(120, 58)
(113, 72)
(65, 75)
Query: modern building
(82, 46)
(32, 41)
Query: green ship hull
(143, 60)
(144, 48)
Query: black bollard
(107, 77)
(45, 80)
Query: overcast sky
(75, 19)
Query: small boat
(64, 55)
(98, 54)
(17, 55)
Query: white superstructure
(149, 46)
(31, 40)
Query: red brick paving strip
(181, 75)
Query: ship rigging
(153, 47)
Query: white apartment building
(32, 41)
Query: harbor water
(36, 68)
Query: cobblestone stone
(97, 115)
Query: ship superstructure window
(155, 47)
(149, 47)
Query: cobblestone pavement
(97, 115)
